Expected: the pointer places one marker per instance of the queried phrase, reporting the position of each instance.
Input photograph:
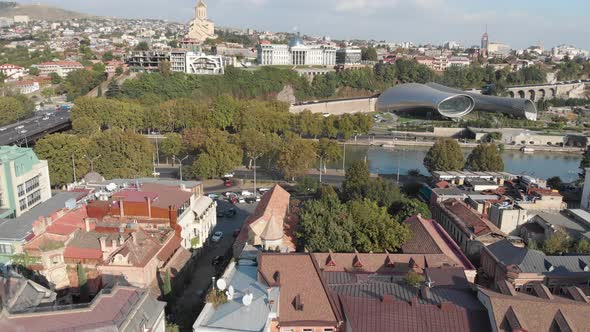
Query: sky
(519, 23)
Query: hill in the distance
(38, 11)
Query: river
(539, 164)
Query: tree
(107, 56)
(307, 185)
(369, 54)
(172, 145)
(142, 46)
(295, 157)
(582, 247)
(165, 68)
(408, 207)
(485, 158)
(63, 153)
(555, 182)
(444, 155)
(119, 71)
(224, 110)
(47, 93)
(34, 71)
(13, 109)
(327, 150)
(558, 243)
(585, 163)
(85, 126)
(374, 229)
(166, 284)
(413, 279)
(356, 181)
(82, 283)
(204, 167)
(55, 78)
(113, 90)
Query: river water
(539, 164)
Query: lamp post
(91, 160)
(180, 162)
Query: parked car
(250, 200)
(213, 196)
(228, 183)
(3, 129)
(247, 193)
(231, 212)
(217, 236)
(19, 127)
(263, 190)
(228, 175)
(233, 200)
(217, 260)
(241, 200)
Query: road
(190, 302)
(32, 127)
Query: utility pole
(255, 194)
(74, 168)
(344, 157)
(321, 158)
(157, 151)
(180, 162)
(91, 160)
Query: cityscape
(172, 175)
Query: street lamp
(91, 160)
(180, 162)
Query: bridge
(537, 92)
(28, 131)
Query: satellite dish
(221, 284)
(247, 299)
(230, 292)
(111, 187)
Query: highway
(31, 129)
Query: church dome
(296, 41)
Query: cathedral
(201, 28)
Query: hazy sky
(519, 23)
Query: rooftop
(18, 229)
(468, 219)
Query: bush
(413, 279)
(216, 297)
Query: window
(22, 203)
(32, 184)
(329, 330)
(307, 330)
(34, 198)
(5, 249)
(21, 190)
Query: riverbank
(392, 143)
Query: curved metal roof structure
(449, 102)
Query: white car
(19, 127)
(228, 175)
(23, 131)
(217, 236)
(247, 193)
(213, 196)
(241, 200)
(3, 129)
(263, 190)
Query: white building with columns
(296, 53)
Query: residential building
(201, 28)
(470, 229)
(428, 237)
(349, 55)
(15, 232)
(271, 226)
(196, 63)
(458, 61)
(234, 50)
(296, 53)
(542, 199)
(499, 49)
(156, 202)
(459, 177)
(425, 60)
(120, 309)
(21, 19)
(24, 181)
(61, 68)
(26, 87)
(561, 51)
(522, 267)
(12, 72)
(146, 61)
(18, 293)
(541, 310)
(585, 202)
(111, 66)
(507, 216)
(575, 224)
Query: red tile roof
(299, 277)
(70, 222)
(9, 66)
(82, 253)
(365, 314)
(428, 237)
(469, 219)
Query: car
(3, 129)
(213, 196)
(217, 236)
(229, 175)
(247, 193)
(217, 260)
(233, 199)
(250, 200)
(231, 212)
(45, 118)
(236, 232)
(19, 127)
(241, 200)
(229, 194)
(23, 131)
(263, 190)
(228, 183)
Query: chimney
(425, 293)
(149, 206)
(87, 224)
(103, 243)
(121, 210)
(277, 278)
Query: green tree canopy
(172, 145)
(444, 155)
(295, 156)
(555, 182)
(63, 152)
(485, 158)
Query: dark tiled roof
(367, 314)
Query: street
(189, 303)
